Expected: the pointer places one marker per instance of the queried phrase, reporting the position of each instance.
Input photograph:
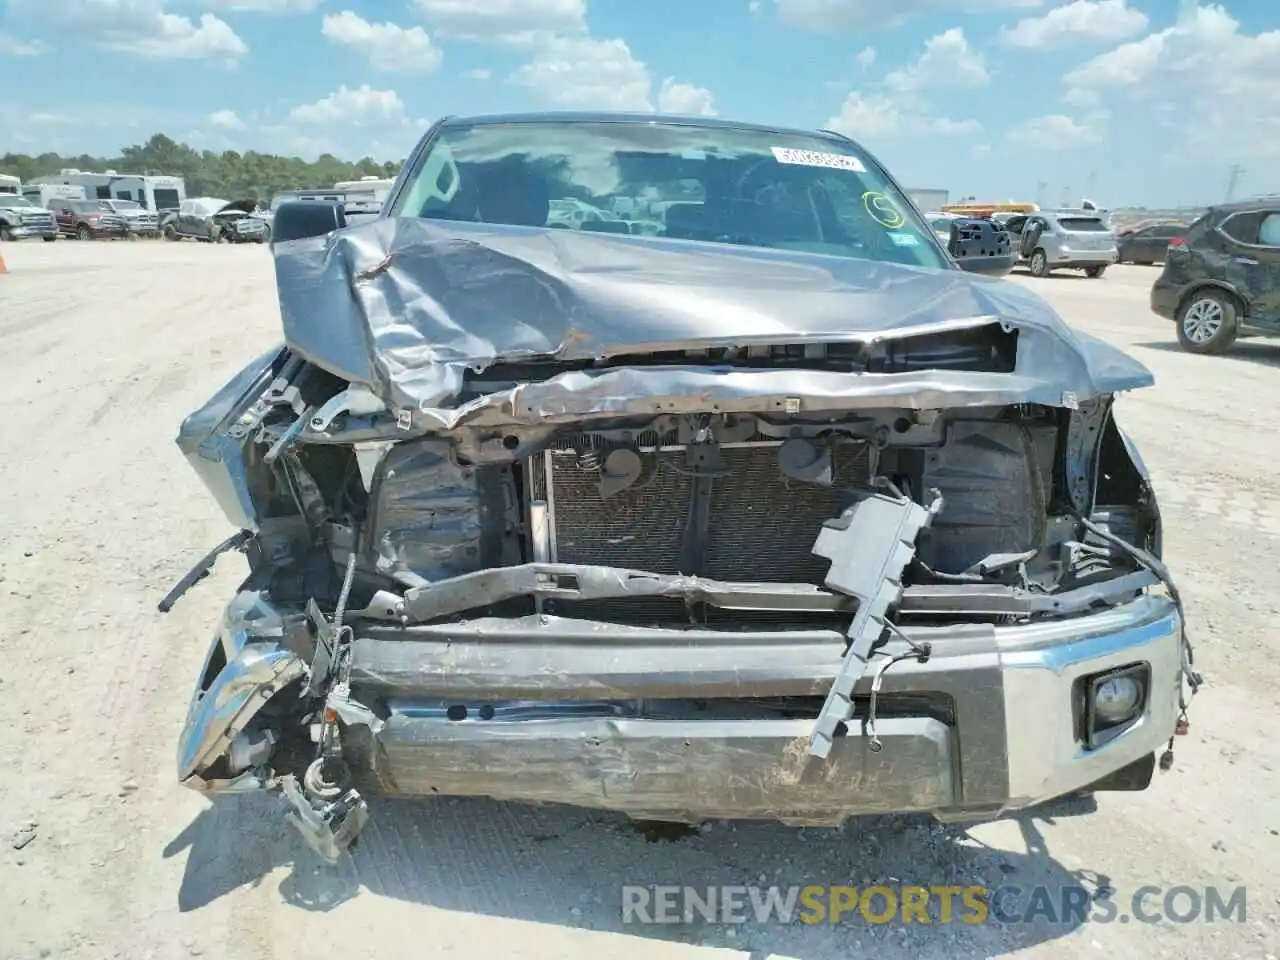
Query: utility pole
(1236, 171)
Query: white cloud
(361, 107)
(948, 62)
(141, 28)
(389, 47)
(883, 117)
(479, 73)
(226, 120)
(505, 21)
(13, 47)
(897, 108)
(53, 119)
(586, 73)
(1079, 20)
(1218, 87)
(686, 99)
(262, 6)
(1053, 133)
(851, 15)
(349, 122)
(866, 58)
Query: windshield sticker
(813, 158)
(904, 239)
(883, 210)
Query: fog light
(1116, 698)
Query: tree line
(229, 174)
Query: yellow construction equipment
(975, 209)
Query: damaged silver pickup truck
(738, 497)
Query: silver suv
(1079, 240)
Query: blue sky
(1125, 101)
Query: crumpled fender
(247, 664)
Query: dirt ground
(106, 347)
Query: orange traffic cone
(3, 268)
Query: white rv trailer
(10, 184)
(366, 189)
(41, 193)
(153, 192)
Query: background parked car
(1049, 240)
(214, 220)
(86, 220)
(20, 219)
(241, 222)
(140, 221)
(1223, 280)
(1146, 243)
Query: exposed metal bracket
(869, 545)
(328, 828)
(356, 400)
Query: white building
(154, 193)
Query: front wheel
(1208, 322)
(84, 233)
(1095, 272)
(5, 233)
(169, 232)
(50, 239)
(1039, 264)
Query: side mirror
(298, 219)
(981, 246)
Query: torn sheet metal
(411, 307)
(869, 546)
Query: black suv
(1223, 277)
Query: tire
(1208, 322)
(5, 233)
(170, 233)
(84, 233)
(50, 239)
(1040, 263)
(1094, 272)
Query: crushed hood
(410, 307)
(238, 206)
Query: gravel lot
(107, 346)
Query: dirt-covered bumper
(668, 725)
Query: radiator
(762, 523)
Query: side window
(1269, 231)
(57, 206)
(1016, 224)
(1243, 227)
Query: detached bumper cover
(658, 723)
(1082, 258)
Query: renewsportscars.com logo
(941, 904)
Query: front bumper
(31, 231)
(681, 725)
